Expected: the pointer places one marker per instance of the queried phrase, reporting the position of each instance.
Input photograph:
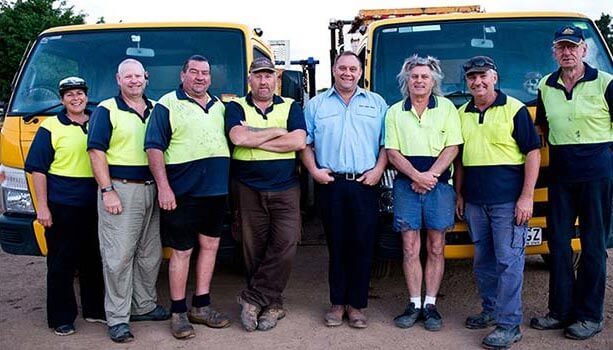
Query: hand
(418, 188)
(371, 177)
(459, 206)
(322, 176)
(112, 203)
(426, 180)
(43, 216)
(166, 198)
(523, 209)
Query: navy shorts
(193, 216)
(433, 210)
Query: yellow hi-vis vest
(126, 146)
(69, 143)
(277, 118)
(196, 134)
(583, 119)
(491, 143)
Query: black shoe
(65, 329)
(432, 319)
(548, 322)
(120, 333)
(157, 314)
(480, 321)
(408, 317)
(502, 338)
(582, 330)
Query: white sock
(416, 301)
(430, 300)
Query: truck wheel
(576, 255)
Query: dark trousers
(72, 243)
(271, 226)
(349, 212)
(580, 298)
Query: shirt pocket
(437, 139)
(366, 111)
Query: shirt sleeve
(391, 136)
(524, 131)
(158, 131)
(100, 129)
(541, 115)
(41, 153)
(233, 116)
(453, 128)
(295, 120)
(608, 96)
(309, 120)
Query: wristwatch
(107, 189)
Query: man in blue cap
(574, 110)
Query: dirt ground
(23, 323)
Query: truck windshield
(95, 54)
(521, 49)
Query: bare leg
(206, 263)
(411, 243)
(435, 265)
(178, 269)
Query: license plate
(535, 236)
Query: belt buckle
(350, 176)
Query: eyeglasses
(570, 47)
(479, 62)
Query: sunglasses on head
(479, 62)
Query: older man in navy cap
(574, 110)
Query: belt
(139, 182)
(347, 176)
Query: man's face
(131, 80)
(347, 72)
(197, 78)
(263, 85)
(420, 81)
(481, 84)
(569, 55)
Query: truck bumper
(17, 235)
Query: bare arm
(292, 141)
(372, 176)
(43, 215)
(523, 208)
(458, 179)
(247, 136)
(321, 176)
(444, 160)
(100, 167)
(166, 196)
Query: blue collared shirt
(346, 137)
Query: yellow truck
(519, 42)
(93, 52)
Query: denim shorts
(433, 210)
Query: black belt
(139, 182)
(347, 176)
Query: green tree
(20, 22)
(606, 28)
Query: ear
(146, 78)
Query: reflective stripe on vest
(491, 143)
(196, 134)
(583, 119)
(277, 118)
(69, 143)
(126, 146)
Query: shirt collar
(500, 100)
(63, 118)
(276, 99)
(122, 105)
(332, 90)
(182, 95)
(589, 74)
(432, 103)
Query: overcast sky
(304, 23)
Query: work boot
(408, 317)
(208, 316)
(548, 322)
(159, 313)
(582, 330)
(65, 329)
(480, 321)
(120, 333)
(269, 317)
(180, 326)
(433, 321)
(249, 315)
(502, 338)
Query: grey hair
(415, 61)
(128, 61)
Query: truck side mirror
(292, 85)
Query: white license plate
(535, 236)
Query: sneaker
(95, 320)
(334, 316)
(432, 318)
(65, 329)
(249, 315)
(120, 333)
(208, 316)
(269, 317)
(548, 322)
(408, 317)
(582, 330)
(502, 338)
(180, 326)
(480, 321)
(157, 314)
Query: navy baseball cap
(262, 64)
(569, 33)
(479, 64)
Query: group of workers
(105, 183)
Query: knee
(436, 249)
(181, 255)
(411, 252)
(209, 244)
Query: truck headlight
(16, 197)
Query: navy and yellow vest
(70, 146)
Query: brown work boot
(269, 317)
(334, 316)
(249, 314)
(208, 316)
(180, 326)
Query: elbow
(301, 146)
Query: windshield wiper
(28, 117)
(458, 93)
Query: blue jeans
(433, 210)
(499, 259)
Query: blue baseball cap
(569, 33)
